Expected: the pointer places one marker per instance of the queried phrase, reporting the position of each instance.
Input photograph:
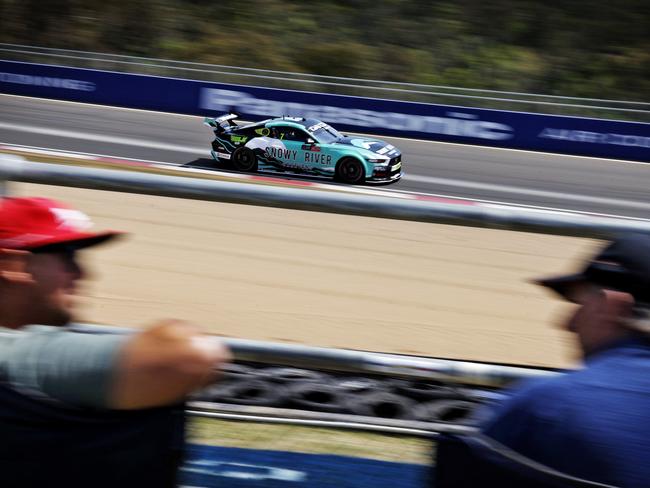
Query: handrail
(362, 362)
(274, 415)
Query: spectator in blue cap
(593, 423)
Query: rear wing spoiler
(219, 124)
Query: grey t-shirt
(71, 367)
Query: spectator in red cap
(594, 423)
(45, 362)
(39, 241)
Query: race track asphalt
(537, 179)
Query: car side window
(291, 134)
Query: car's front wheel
(350, 170)
(244, 159)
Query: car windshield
(325, 133)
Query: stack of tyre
(381, 397)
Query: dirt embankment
(324, 279)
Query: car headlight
(378, 161)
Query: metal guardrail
(322, 419)
(507, 218)
(372, 363)
(472, 97)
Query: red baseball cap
(32, 223)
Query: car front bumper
(387, 174)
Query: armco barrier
(362, 362)
(13, 168)
(560, 134)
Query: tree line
(581, 48)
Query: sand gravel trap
(324, 279)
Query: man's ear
(617, 305)
(13, 266)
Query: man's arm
(153, 367)
(163, 364)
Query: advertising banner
(212, 466)
(463, 125)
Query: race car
(303, 146)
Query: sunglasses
(580, 293)
(66, 251)
(58, 248)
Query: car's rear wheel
(244, 159)
(350, 170)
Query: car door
(293, 140)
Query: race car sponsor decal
(300, 166)
(223, 155)
(310, 147)
(317, 158)
(378, 147)
(238, 139)
(315, 127)
(386, 149)
(280, 153)
(271, 150)
(275, 150)
(264, 143)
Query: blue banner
(209, 466)
(517, 130)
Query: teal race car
(303, 146)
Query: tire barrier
(229, 374)
(423, 390)
(235, 371)
(380, 404)
(447, 411)
(305, 389)
(358, 384)
(248, 392)
(289, 375)
(321, 397)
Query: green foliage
(581, 48)
(346, 59)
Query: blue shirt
(592, 423)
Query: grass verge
(313, 440)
